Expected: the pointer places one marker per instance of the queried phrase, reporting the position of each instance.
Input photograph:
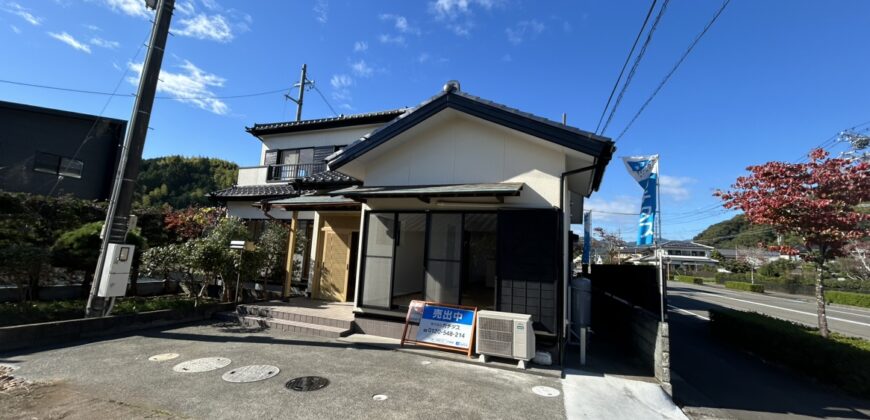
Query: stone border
(47, 333)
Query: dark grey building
(39, 146)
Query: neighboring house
(49, 151)
(679, 256)
(734, 254)
(459, 200)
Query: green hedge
(848, 298)
(688, 279)
(749, 287)
(839, 360)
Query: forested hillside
(182, 181)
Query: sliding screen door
(378, 260)
(443, 259)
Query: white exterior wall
(252, 176)
(460, 149)
(318, 138)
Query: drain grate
(252, 373)
(307, 383)
(163, 357)
(201, 365)
(545, 391)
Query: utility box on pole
(116, 271)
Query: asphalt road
(113, 378)
(712, 380)
(698, 299)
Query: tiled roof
(601, 148)
(323, 123)
(249, 192)
(328, 178)
(683, 245)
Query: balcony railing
(293, 171)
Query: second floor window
(58, 165)
(289, 164)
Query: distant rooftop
(324, 123)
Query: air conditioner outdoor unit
(505, 334)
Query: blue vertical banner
(587, 237)
(645, 170)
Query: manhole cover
(545, 391)
(202, 365)
(379, 397)
(307, 383)
(252, 373)
(163, 357)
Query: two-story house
(459, 200)
(289, 185)
(679, 256)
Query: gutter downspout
(563, 263)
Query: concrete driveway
(115, 379)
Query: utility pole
(118, 213)
(303, 81)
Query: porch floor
(309, 307)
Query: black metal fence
(294, 171)
(635, 284)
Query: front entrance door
(334, 269)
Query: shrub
(848, 298)
(689, 279)
(749, 287)
(839, 360)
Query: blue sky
(769, 81)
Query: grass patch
(848, 298)
(60, 310)
(689, 279)
(748, 287)
(838, 360)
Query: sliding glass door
(444, 257)
(378, 260)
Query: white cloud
(401, 23)
(202, 26)
(423, 57)
(69, 40)
(341, 81)
(390, 39)
(191, 85)
(134, 8)
(104, 43)
(340, 84)
(361, 69)
(22, 12)
(526, 28)
(15, 29)
(675, 187)
(321, 11)
(212, 5)
(619, 209)
(458, 14)
(507, 58)
(185, 8)
(360, 46)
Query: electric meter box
(116, 270)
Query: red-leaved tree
(815, 201)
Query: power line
(674, 69)
(636, 64)
(624, 65)
(324, 100)
(114, 93)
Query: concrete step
(295, 327)
(289, 315)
